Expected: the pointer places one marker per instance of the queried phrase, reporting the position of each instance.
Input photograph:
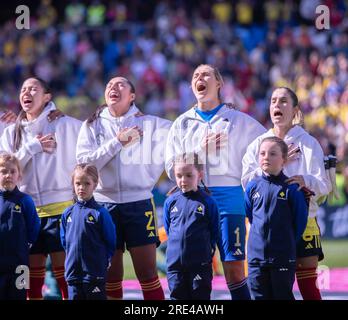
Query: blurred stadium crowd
(78, 45)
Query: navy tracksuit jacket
(88, 236)
(278, 214)
(19, 227)
(191, 221)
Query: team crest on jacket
(200, 210)
(90, 219)
(17, 208)
(283, 194)
(100, 137)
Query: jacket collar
(192, 113)
(292, 135)
(7, 194)
(131, 112)
(42, 117)
(191, 193)
(276, 179)
(91, 203)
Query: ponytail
(298, 118)
(96, 114)
(205, 188)
(17, 138)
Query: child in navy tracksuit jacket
(191, 220)
(19, 228)
(88, 236)
(278, 214)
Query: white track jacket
(126, 174)
(45, 176)
(224, 167)
(309, 164)
(3, 125)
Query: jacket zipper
(37, 182)
(117, 159)
(183, 247)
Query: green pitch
(336, 256)
(336, 253)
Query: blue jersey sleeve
(109, 231)
(166, 215)
(31, 218)
(300, 211)
(248, 203)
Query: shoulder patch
(184, 123)
(100, 137)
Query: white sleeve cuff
(33, 146)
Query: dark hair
(280, 142)
(292, 94)
(99, 109)
(17, 138)
(132, 90)
(189, 158)
(96, 114)
(298, 118)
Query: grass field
(336, 253)
(336, 256)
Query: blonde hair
(6, 157)
(88, 169)
(217, 75)
(189, 158)
(298, 118)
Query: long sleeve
(63, 230)
(32, 220)
(248, 204)
(250, 163)
(166, 216)
(173, 149)
(88, 151)
(109, 232)
(316, 179)
(300, 211)
(25, 152)
(214, 224)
